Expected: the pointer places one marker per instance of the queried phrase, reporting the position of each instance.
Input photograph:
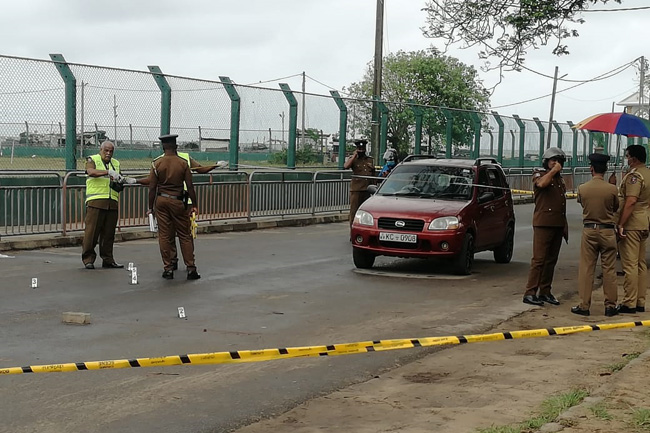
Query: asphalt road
(263, 289)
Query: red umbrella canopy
(615, 123)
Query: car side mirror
(486, 196)
(372, 189)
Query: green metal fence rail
(54, 114)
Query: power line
(325, 85)
(617, 10)
(582, 81)
(276, 79)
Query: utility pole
(302, 139)
(115, 120)
(376, 88)
(81, 152)
(550, 117)
(641, 87)
(282, 143)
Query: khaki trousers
(546, 249)
(174, 221)
(595, 242)
(632, 249)
(356, 199)
(99, 228)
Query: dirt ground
(481, 385)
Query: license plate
(398, 237)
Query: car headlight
(364, 218)
(445, 223)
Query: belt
(177, 197)
(599, 226)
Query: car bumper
(443, 243)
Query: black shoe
(549, 298)
(640, 309)
(625, 309)
(533, 300)
(175, 266)
(168, 275)
(578, 310)
(620, 273)
(611, 311)
(113, 265)
(193, 275)
(89, 266)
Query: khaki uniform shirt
(635, 184)
(550, 202)
(169, 173)
(599, 200)
(362, 167)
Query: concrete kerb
(49, 240)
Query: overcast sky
(332, 41)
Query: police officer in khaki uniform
(362, 165)
(549, 227)
(167, 200)
(599, 200)
(102, 195)
(633, 229)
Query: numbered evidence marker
(134, 275)
(34, 283)
(181, 312)
(130, 267)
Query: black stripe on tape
(376, 342)
(551, 331)
(638, 323)
(81, 366)
(416, 343)
(185, 359)
(283, 351)
(331, 347)
(462, 339)
(27, 369)
(370, 348)
(595, 328)
(507, 336)
(235, 355)
(323, 354)
(134, 363)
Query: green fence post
(419, 114)
(559, 134)
(574, 156)
(476, 151)
(293, 124)
(542, 146)
(343, 126)
(383, 130)
(591, 143)
(448, 132)
(522, 139)
(165, 99)
(499, 121)
(235, 115)
(70, 111)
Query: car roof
(432, 160)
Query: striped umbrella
(616, 123)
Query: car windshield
(429, 181)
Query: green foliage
(305, 155)
(641, 418)
(430, 80)
(600, 411)
(618, 366)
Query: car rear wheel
(465, 260)
(362, 259)
(503, 254)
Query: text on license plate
(398, 237)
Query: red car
(445, 208)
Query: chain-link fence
(54, 114)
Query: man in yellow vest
(102, 195)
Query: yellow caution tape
(523, 191)
(241, 356)
(193, 225)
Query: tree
(426, 78)
(506, 29)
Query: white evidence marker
(181, 312)
(34, 283)
(130, 267)
(134, 275)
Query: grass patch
(641, 418)
(618, 366)
(551, 408)
(600, 411)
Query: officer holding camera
(103, 186)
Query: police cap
(598, 158)
(360, 142)
(169, 138)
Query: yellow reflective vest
(99, 187)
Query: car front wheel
(465, 260)
(362, 259)
(503, 254)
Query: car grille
(410, 225)
(399, 245)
